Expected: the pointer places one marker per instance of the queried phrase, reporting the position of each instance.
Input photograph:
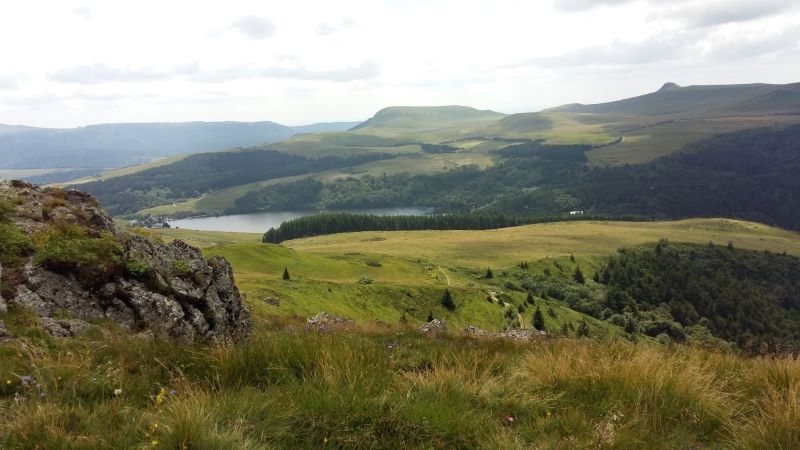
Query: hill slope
(117, 145)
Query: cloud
(365, 70)
(254, 27)
(8, 82)
(324, 29)
(101, 73)
(584, 5)
(83, 11)
(712, 13)
(744, 47)
(658, 49)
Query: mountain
(401, 120)
(702, 101)
(125, 144)
(460, 159)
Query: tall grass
(382, 387)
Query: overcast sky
(68, 63)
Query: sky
(71, 63)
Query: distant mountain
(426, 117)
(118, 145)
(702, 101)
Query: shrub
(365, 280)
(68, 248)
(447, 300)
(13, 241)
(181, 268)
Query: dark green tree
(430, 316)
(489, 275)
(583, 329)
(578, 276)
(286, 274)
(538, 319)
(447, 300)
(529, 300)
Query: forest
(749, 175)
(200, 173)
(745, 297)
(320, 224)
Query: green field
(408, 270)
(508, 246)
(381, 384)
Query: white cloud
(254, 27)
(313, 60)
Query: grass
(507, 246)
(385, 387)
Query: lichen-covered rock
(3, 306)
(516, 334)
(435, 326)
(169, 290)
(326, 322)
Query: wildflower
(154, 443)
(117, 392)
(173, 392)
(26, 379)
(42, 395)
(8, 381)
(162, 394)
(509, 419)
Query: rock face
(170, 289)
(435, 326)
(523, 335)
(326, 322)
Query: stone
(175, 292)
(326, 322)
(3, 332)
(435, 326)
(3, 306)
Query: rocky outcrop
(517, 334)
(435, 326)
(170, 289)
(3, 306)
(326, 322)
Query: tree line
(330, 223)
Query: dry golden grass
(507, 246)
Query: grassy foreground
(381, 387)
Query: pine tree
(529, 300)
(489, 275)
(583, 329)
(538, 319)
(578, 276)
(447, 300)
(286, 274)
(430, 316)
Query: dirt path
(445, 275)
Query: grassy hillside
(507, 246)
(387, 388)
(631, 131)
(383, 385)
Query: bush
(68, 248)
(365, 280)
(181, 268)
(13, 241)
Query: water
(261, 222)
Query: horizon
(317, 62)
(301, 124)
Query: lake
(261, 222)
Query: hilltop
(438, 149)
(106, 146)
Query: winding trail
(445, 275)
